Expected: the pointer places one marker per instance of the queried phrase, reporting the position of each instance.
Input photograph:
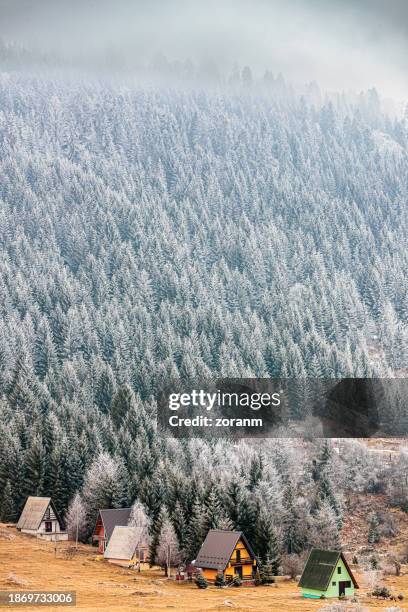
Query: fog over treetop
(341, 44)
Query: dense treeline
(149, 234)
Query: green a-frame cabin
(327, 574)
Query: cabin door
(342, 588)
(238, 571)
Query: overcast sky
(342, 44)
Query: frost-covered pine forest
(153, 232)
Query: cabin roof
(217, 548)
(319, 569)
(114, 517)
(123, 543)
(33, 512)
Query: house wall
(41, 529)
(210, 574)
(99, 535)
(142, 555)
(333, 589)
(246, 571)
(55, 535)
(55, 526)
(32, 532)
(243, 552)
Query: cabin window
(339, 570)
(334, 583)
(238, 555)
(141, 556)
(48, 526)
(347, 584)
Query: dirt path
(102, 587)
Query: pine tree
(195, 532)
(104, 392)
(219, 579)
(255, 471)
(325, 492)
(324, 461)
(294, 540)
(59, 466)
(179, 523)
(35, 468)
(5, 448)
(7, 509)
(45, 354)
(233, 497)
(75, 469)
(20, 393)
(155, 531)
(153, 495)
(373, 529)
(267, 547)
(201, 582)
(324, 531)
(12, 469)
(247, 516)
(215, 516)
(121, 405)
(325, 488)
(267, 572)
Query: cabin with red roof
(105, 524)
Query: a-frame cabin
(41, 519)
(127, 547)
(327, 574)
(106, 522)
(228, 552)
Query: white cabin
(39, 518)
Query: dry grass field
(30, 564)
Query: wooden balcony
(242, 562)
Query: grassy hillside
(29, 564)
